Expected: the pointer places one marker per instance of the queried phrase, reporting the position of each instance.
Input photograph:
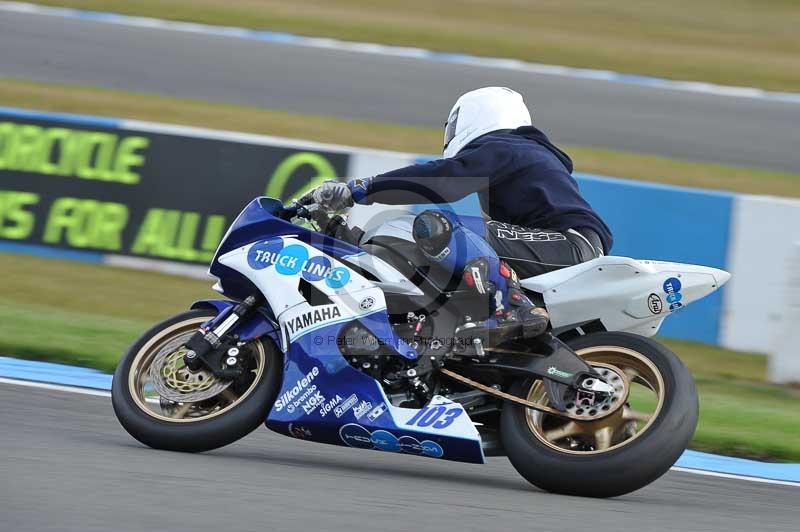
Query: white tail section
(624, 294)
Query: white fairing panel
(275, 267)
(400, 227)
(624, 294)
(391, 281)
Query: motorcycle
(344, 337)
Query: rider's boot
(515, 316)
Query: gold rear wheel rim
(148, 400)
(625, 425)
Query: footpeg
(534, 323)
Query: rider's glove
(360, 189)
(330, 195)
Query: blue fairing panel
(324, 399)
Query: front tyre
(617, 453)
(165, 406)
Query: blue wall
(667, 223)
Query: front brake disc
(173, 381)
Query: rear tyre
(215, 413)
(617, 454)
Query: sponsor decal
(354, 435)
(362, 408)
(308, 397)
(552, 370)
(376, 412)
(313, 401)
(301, 433)
(317, 268)
(294, 260)
(314, 316)
(366, 303)
(383, 440)
(507, 231)
(478, 278)
(329, 405)
(338, 277)
(297, 393)
(432, 449)
(362, 184)
(264, 254)
(410, 445)
(441, 255)
(291, 259)
(655, 304)
(437, 417)
(672, 287)
(346, 405)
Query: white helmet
(482, 111)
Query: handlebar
(298, 209)
(292, 210)
(335, 226)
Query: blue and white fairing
(322, 397)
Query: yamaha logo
(366, 303)
(312, 317)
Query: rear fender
(256, 326)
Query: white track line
(103, 393)
(56, 387)
(735, 477)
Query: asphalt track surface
(67, 465)
(685, 125)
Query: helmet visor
(450, 127)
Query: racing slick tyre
(653, 415)
(165, 406)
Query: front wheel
(611, 454)
(164, 405)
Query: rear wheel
(164, 405)
(627, 441)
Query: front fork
(208, 346)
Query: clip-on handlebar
(334, 226)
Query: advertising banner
(122, 191)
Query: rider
(535, 218)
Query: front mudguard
(256, 326)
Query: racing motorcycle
(339, 336)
